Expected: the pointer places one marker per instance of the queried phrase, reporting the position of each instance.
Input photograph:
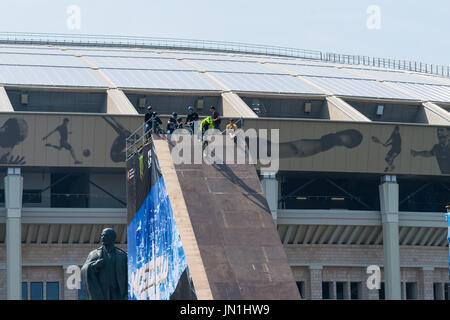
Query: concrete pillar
(269, 184)
(389, 215)
(13, 204)
(426, 279)
(315, 282)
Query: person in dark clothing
(179, 124)
(172, 123)
(191, 118)
(215, 116)
(149, 114)
(152, 121)
(155, 123)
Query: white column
(13, 203)
(269, 184)
(389, 214)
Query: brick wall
(317, 263)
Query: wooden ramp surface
(230, 240)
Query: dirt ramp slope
(230, 240)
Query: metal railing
(217, 46)
(141, 136)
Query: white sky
(412, 30)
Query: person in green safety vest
(206, 124)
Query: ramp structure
(230, 242)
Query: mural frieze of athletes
(99, 141)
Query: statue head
(108, 236)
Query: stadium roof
(178, 68)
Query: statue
(104, 274)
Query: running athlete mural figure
(395, 141)
(13, 132)
(63, 139)
(441, 150)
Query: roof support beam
(309, 231)
(300, 231)
(287, 235)
(335, 234)
(344, 234)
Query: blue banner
(448, 238)
(156, 257)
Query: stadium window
(446, 291)
(301, 289)
(437, 291)
(341, 290)
(411, 290)
(381, 292)
(36, 290)
(355, 291)
(31, 196)
(52, 290)
(24, 291)
(327, 290)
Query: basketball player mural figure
(63, 139)
(13, 132)
(395, 141)
(441, 150)
(308, 147)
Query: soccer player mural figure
(118, 147)
(440, 150)
(105, 273)
(13, 132)
(395, 141)
(63, 139)
(308, 147)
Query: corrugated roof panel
(49, 76)
(166, 80)
(116, 53)
(427, 91)
(138, 63)
(319, 71)
(234, 66)
(358, 88)
(395, 76)
(31, 50)
(40, 60)
(272, 83)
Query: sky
(412, 30)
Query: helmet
(191, 108)
(149, 108)
(174, 114)
(180, 119)
(155, 113)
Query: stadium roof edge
(218, 46)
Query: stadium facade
(364, 156)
